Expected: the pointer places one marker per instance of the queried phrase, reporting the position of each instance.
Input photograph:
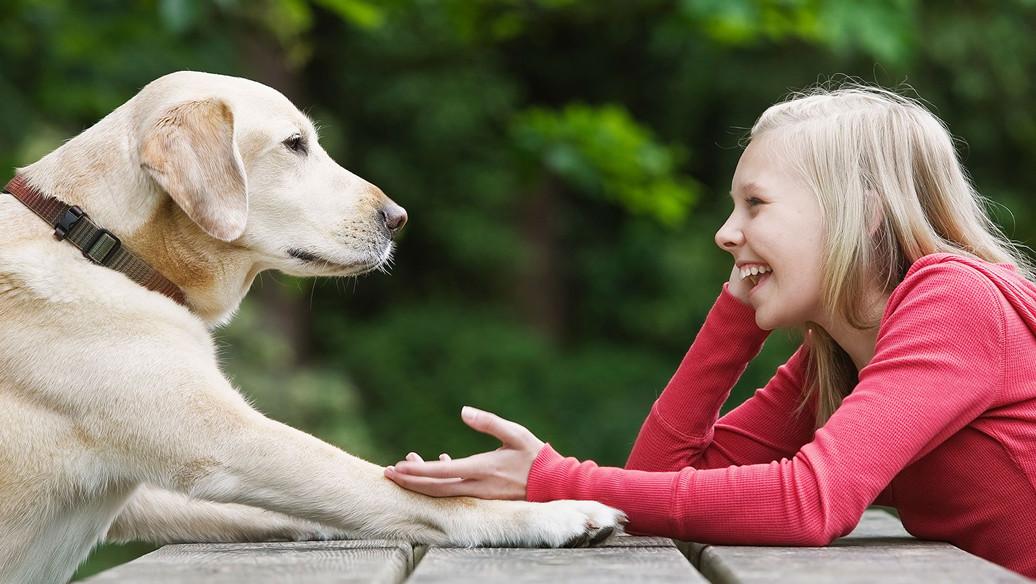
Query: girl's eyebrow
(749, 189)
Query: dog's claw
(602, 535)
(577, 541)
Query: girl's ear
(191, 152)
(875, 211)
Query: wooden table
(877, 550)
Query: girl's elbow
(823, 533)
(820, 536)
(819, 530)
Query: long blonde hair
(891, 190)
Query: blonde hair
(891, 190)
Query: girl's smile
(755, 273)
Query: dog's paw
(521, 524)
(577, 523)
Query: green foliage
(886, 30)
(565, 164)
(603, 150)
(745, 22)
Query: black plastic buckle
(68, 220)
(104, 245)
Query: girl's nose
(729, 236)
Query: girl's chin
(762, 319)
(771, 322)
(764, 323)
(768, 321)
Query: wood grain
(313, 562)
(620, 561)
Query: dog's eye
(296, 143)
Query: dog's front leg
(160, 516)
(227, 452)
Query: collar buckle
(68, 220)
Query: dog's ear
(191, 153)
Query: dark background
(565, 165)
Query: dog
(116, 422)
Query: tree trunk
(541, 297)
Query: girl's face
(776, 227)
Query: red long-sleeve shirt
(941, 426)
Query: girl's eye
(753, 201)
(296, 143)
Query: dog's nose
(394, 217)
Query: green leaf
(358, 12)
(602, 151)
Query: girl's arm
(681, 430)
(938, 365)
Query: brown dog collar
(98, 245)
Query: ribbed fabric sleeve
(680, 424)
(681, 430)
(938, 364)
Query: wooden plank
(313, 562)
(620, 561)
(874, 524)
(879, 549)
(638, 541)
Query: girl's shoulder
(965, 289)
(942, 278)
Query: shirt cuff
(736, 314)
(542, 484)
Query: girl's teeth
(754, 271)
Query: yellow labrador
(115, 420)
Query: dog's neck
(105, 179)
(215, 276)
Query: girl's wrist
(537, 484)
(733, 312)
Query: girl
(915, 386)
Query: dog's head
(245, 166)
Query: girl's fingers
(414, 457)
(444, 457)
(508, 432)
(453, 487)
(471, 467)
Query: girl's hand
(500, 474)
(739, 286)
